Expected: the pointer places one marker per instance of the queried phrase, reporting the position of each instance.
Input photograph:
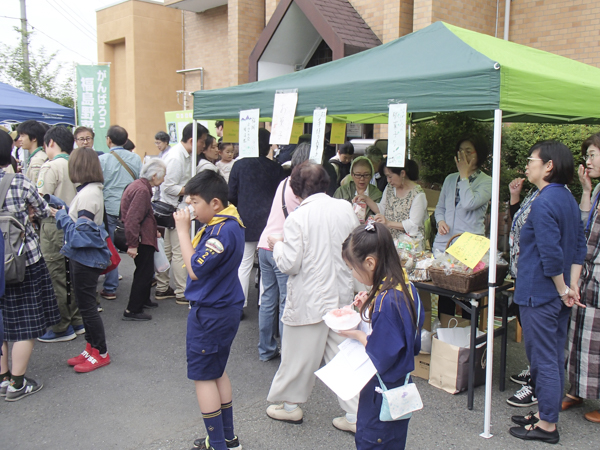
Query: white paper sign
(349, 371)
(318, 135)
(284, 110)
(249, 133)
(396, 135)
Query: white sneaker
(278, 412)
(341, 423)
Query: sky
(64, 26)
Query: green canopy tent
(436, 69)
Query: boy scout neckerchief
(229, 213)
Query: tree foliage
(45, 79)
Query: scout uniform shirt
(53, 179)
(34, 164)
(219, 248)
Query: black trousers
(142, 279)
(85, 282)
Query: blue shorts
(210, 333)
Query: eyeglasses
(533, 159)
(590, 157)
(362, 176)
(85, 139)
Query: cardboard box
(427, 322)
(422, 362)
(425, 299)
(456, 321)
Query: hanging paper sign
(396, 135)
(338, 133)
(231, 131)
(318, 135)
(284, 110)
(249, 133)
(297, 131)
(469, 249)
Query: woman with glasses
(360, 192)
(550, 261)
(584, 330)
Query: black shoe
(522, 378)
(535, 434)
(233, 444)
(529, 419)
(136, 316)
(150, 304)
(277, 354)
(523, 397)
(169, 293)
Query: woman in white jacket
(319, 281)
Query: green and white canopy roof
(439, 68)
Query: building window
(322, 55)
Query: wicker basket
(465, 283)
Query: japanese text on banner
(396, 135)
(284, 110)
(93, 101)
(318, 135)
(249, 133)
(469, 249)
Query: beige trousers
(179, 273)
(303, 349)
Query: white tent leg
(492, 276)
(193, 165)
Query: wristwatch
(566, 292)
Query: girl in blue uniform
(391, 309)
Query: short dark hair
(481, 147)
(84, 166)
(264, 136)
(218, 123)
(162, 136)
(62, 136)
(34, 130)
(207, 185)
(129, 145)
(411, 169)
(117, 135)
(188, 130)
(563, 165)
(346, 149)
(224, 145)
(82, 129)
(594, 139)
(305, 138)
(309, 178)
(6, 144)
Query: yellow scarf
(230, 212)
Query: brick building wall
(246, 22)
(206, 45)
(270, 6)
(476, 15)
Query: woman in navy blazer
(552, 252)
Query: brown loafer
(569, 402)
(593, 416)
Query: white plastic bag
(161, 262)
(460, 337)
(425, 341)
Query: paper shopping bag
(449, 369)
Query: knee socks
(214, 426)
(227, 414)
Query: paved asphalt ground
(143, 399)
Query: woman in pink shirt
(274, 282)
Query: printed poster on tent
(396, 135)
(93, 101)
(249, 133)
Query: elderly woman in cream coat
(319, 282)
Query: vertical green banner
(93, 101)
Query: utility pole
(25, 48)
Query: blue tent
(17, 106)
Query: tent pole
(193, 165)
(492, 276)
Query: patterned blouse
(589, 283)
(22, 193)
(519, 220)
(397, 209)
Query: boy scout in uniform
(54, 180)
(216, 301)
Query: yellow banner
(338, 133)
(469, 249)
(231, 131)
(297, 131)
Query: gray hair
(301, 154)
(374, 153)
(155, 166)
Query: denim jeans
(275, 290)
(111, 279)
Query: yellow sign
(231, 131)
(338, 133)
(297, 131)
(469, 249)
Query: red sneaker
(82, 357)
(93, 362)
